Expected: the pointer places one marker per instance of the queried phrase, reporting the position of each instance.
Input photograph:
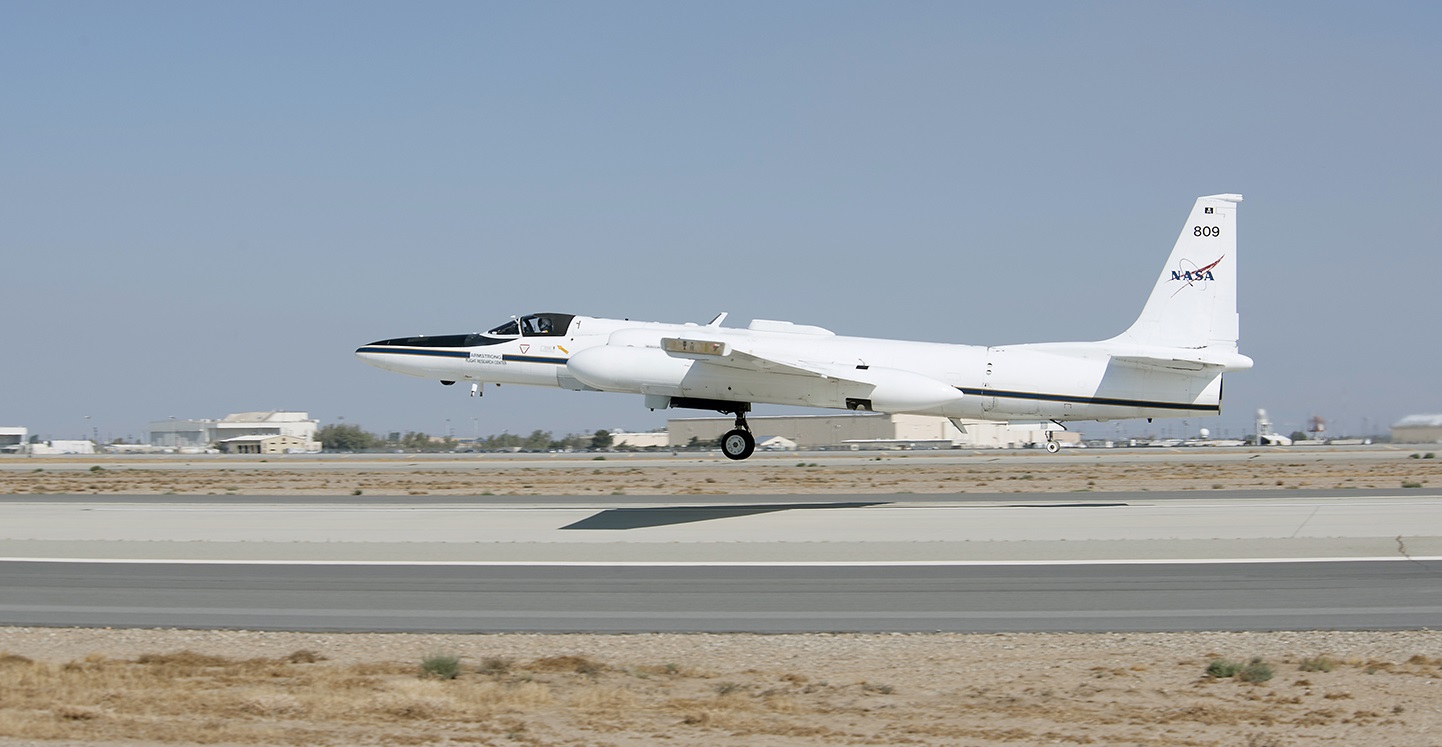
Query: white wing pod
(904, 391)
(628, 369)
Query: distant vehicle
(1169, 363)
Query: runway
(624, 599)
(1098, 562)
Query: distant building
(12, 438)
(1266, 436)
(203, 434)
(1418, 429)
(266, 445)
(62, 447)
(870, 430)
(659, 439)
(776, 443)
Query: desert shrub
(1222, 669)
(495, 665)
(441, 666)
(577, 664)
(305, 656)
(1255, 671)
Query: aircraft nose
(372, 354)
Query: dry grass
(1046, 696)
(186, 697)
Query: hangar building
(640, 440)
(12, 438)
(279, 444)
(1418, 429)
(202, 434)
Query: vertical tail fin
(1194, 303)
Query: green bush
(1221, 668)
(1255, 671)
(441, 666)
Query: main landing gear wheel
(1052, 447)
(738, 444)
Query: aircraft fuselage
(1047, 381)
(1168, 363)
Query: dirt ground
(107, 688)
(894, 472)
(74, 687)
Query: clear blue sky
(206, 207)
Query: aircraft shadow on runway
(637, 518)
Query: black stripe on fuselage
(509, 358)
(533, 359)
(1075, 400)
(415, 351)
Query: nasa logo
(1193, 274)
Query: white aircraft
(1169, 363)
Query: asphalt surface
(1374, 595)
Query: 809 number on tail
(1206, 231)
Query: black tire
(738, 444)
(1052, 447)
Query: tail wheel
(738, 444)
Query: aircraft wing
(727, 354)
(863, 388)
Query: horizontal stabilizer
(1204, 360)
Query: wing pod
(615, 368)
(895, 390)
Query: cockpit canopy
(535, 325)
